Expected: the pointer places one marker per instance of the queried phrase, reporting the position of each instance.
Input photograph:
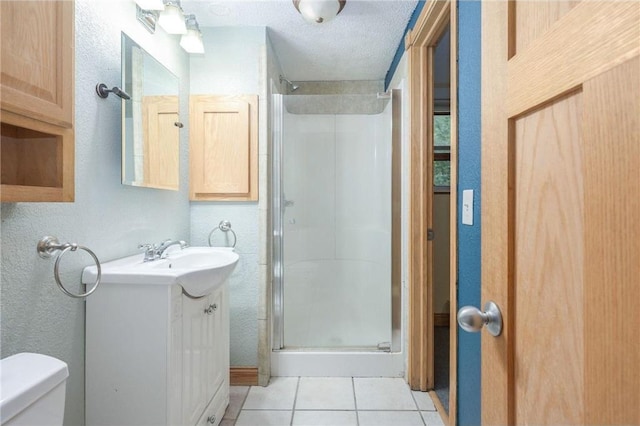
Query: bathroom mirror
(150, 121)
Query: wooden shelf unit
(37, 101)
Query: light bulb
(192, 41)
(172, 19)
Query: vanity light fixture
(148, 18)
(172, 18)
(319, 11)
(192, 40)
(150, 4)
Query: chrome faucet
(156, 251)
(168, 243)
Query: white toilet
(32, 390)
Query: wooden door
(560, 211)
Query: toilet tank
(32, 390)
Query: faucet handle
(149, 251)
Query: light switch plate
(467, 207)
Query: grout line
(355, 400)
(424, 422)
(270, 409)
(244, 399)
(295, 400)
(414, 399)
(246, 395)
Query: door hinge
(430, 234)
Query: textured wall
(107, 217)
(469, 178)
(235, 65)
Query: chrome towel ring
(48, 246)
(224, 226)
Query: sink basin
(199, 270)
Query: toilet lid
(26, 377)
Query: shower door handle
(286, 203)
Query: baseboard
(441, 320)
(243, 376)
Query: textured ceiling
(359, 44)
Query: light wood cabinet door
(161, 142)
(223, 147)
(37, 60)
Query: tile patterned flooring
(330, 401)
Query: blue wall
(469, 178)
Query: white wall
(107, 217)
(236, 63)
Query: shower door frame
(277, 341)
(277, 203)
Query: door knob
(472, 319)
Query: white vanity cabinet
(205, 360)
(155, 356)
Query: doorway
(441, 216)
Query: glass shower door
(335, 219)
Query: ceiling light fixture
(192, 40)
(319, 11)
(172, 18)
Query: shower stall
(336, 280)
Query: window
(442, 152)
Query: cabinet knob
(211, 309)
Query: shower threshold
(331, 349)
(351, 362)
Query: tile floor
(330, 401)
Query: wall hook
(103, 91)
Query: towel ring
(48, 246)
(224, 226)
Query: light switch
(467, 207)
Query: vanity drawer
(214, 412)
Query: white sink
(199, 270)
